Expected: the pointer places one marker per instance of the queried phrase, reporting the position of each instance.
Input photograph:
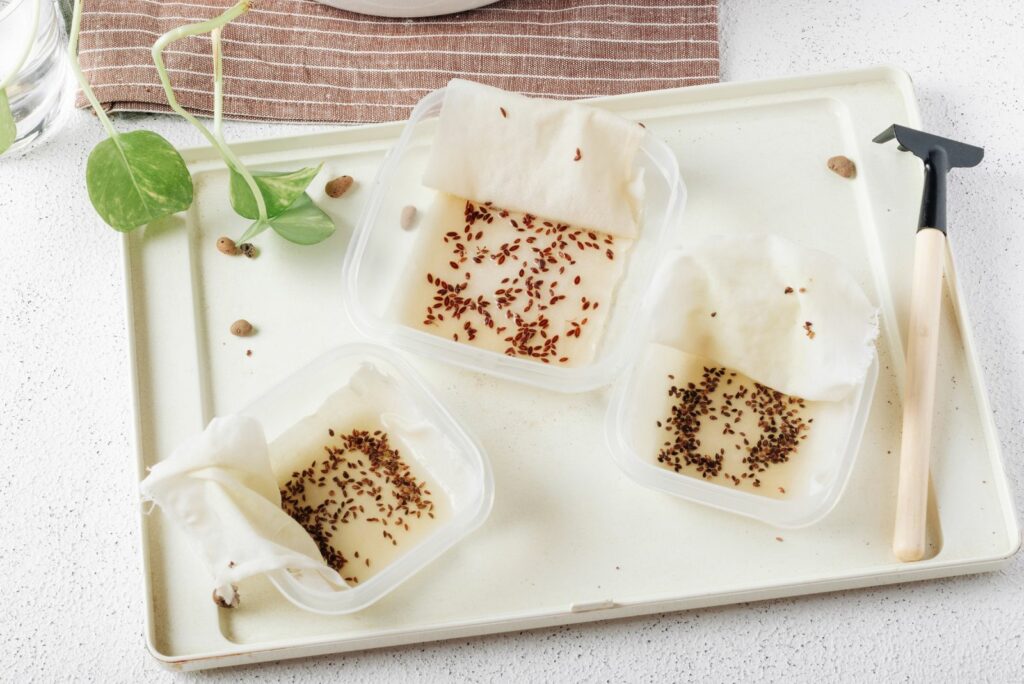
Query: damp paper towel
(562, 161)
(219, 488)
(788, 317)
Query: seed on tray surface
(361, 501)
(227, 602)
(843, 166)
(722, 427)
(336, 187)
(241, 328)
(248, 249)
(227, 246)
(511, 282)
(408, 217)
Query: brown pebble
(843, 166)
(227, 246)
(339, 186)
(249, 250)
(241, 328)
(408, 217)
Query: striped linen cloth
(297, 60)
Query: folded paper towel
(788, 317)
(563, 161)
(219, 488)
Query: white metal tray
(571, 538)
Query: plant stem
(218, 84)
(83, 83)
(217, 141)
(9, 78)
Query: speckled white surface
(66, 481)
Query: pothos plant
(8, 128)
(136, 178)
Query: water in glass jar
(41, 92)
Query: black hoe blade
(939, 156)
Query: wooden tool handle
(919, 400)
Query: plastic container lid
(829, 472)
(381, 249)
(462, 471)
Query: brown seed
(227, 246)
(504, 114)
(788, 290)
(241, 328)
(248, 249)
(223, 603)
(408, 217)
(338, 186)
(843, 166)
(579, 155)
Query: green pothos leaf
(135, 178)
(8, 131)
(280, 190)
(303, 223)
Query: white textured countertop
(67, 527)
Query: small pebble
(227, 246)
(249, 250)
(241, 328)
(843, 166)
(408, 217)
(338, 186)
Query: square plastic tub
(381, 249)
(461, 470)
(828, 474)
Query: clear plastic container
(461, 470)
(829, 468)
(380, 250)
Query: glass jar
(40, 94)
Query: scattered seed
(241, 328)
(504, 114)
(408, 219)
(227, 246)
(843, 166)
(337, 187)
(249, 250)
(236, 598)
(788, 290)
(579, 155)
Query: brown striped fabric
(297, 60)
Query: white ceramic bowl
(406, 8)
